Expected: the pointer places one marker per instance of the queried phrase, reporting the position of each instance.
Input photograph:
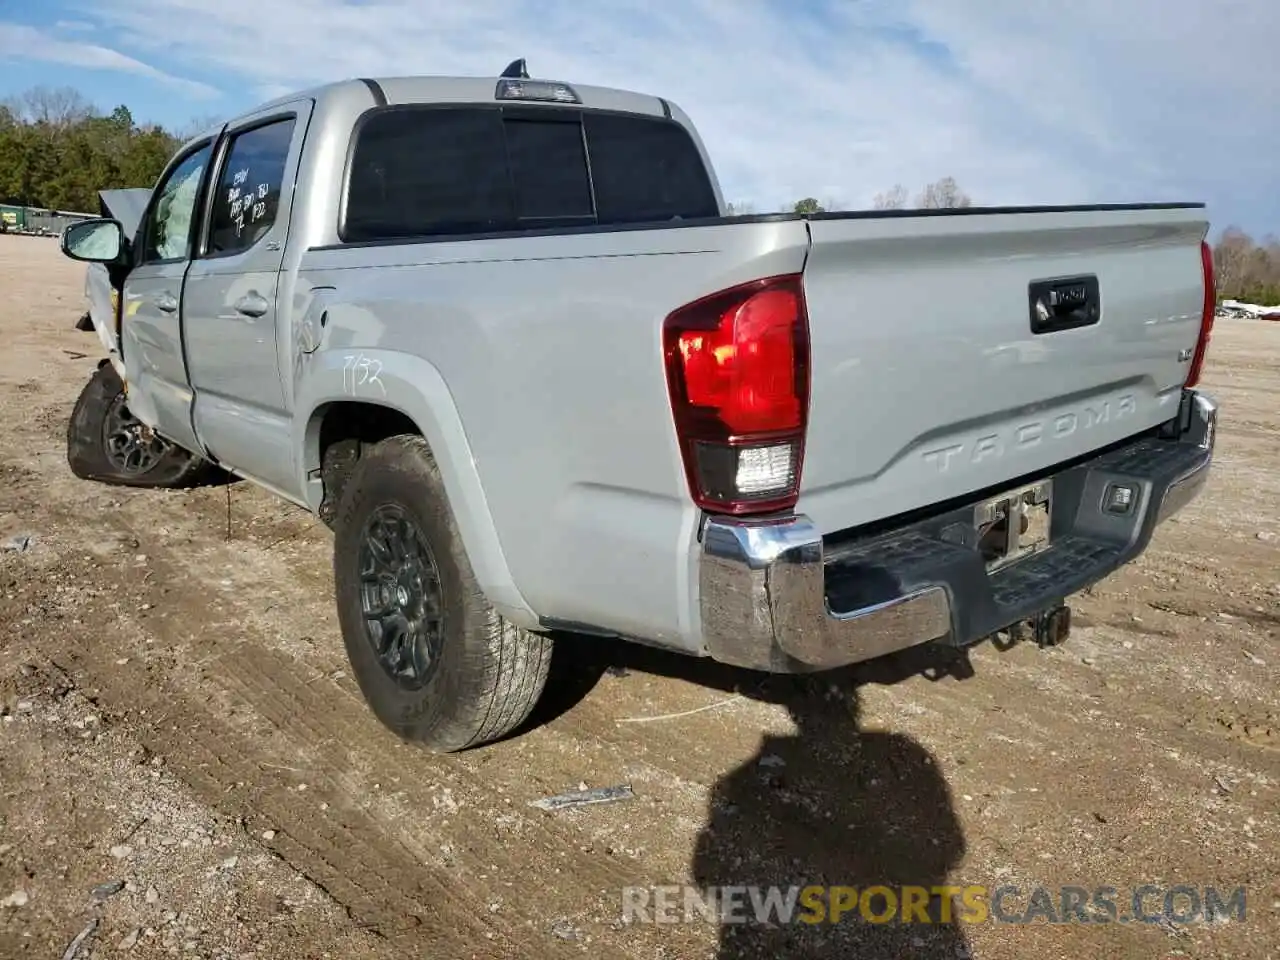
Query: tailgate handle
(1064, 303)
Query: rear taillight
(1206, 316)
(738, 376)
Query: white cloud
(1020, 100)
(22, 42)
(1173, 94)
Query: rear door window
(244, 208)
(423, 172)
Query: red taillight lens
(1206, 317)
(738, 375)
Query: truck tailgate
(928, 379)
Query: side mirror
(94, 241)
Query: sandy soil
(176, 716)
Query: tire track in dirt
(347, 854)
(316, 719)
(288, 559)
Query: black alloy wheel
(400, 597)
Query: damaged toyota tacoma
(502, 336)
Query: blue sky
(1121, 100)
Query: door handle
(252, 304)
(166, 303)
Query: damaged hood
(127, 206)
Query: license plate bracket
(1013, 525)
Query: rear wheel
(107, 443)
(435, 662)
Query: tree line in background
(939, 195)
(1246, 270)
(944, 194)
(57, 151)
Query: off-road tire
(87, 451)
(487, 674)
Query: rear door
(153, 293)
(233, 326)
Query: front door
(152, 301)
(237, 348)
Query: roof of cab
(433, 89)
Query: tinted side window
(645, 169)
(248, 192)
(423, 172)
(167, 231)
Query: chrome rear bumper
(775, 597)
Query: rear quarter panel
(550, 351)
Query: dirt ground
(186, 767)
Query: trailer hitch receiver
(1052, 626)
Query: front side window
(248, 191)
(168, 226)
(420, 172)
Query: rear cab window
(433, 171)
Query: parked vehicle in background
(501, 336)
(1253, 311)
(12, 219)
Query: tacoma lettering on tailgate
(1030, 433)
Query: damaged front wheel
(107, 443)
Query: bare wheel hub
(130, 445)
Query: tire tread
(497, 674)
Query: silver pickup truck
(500, 335)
